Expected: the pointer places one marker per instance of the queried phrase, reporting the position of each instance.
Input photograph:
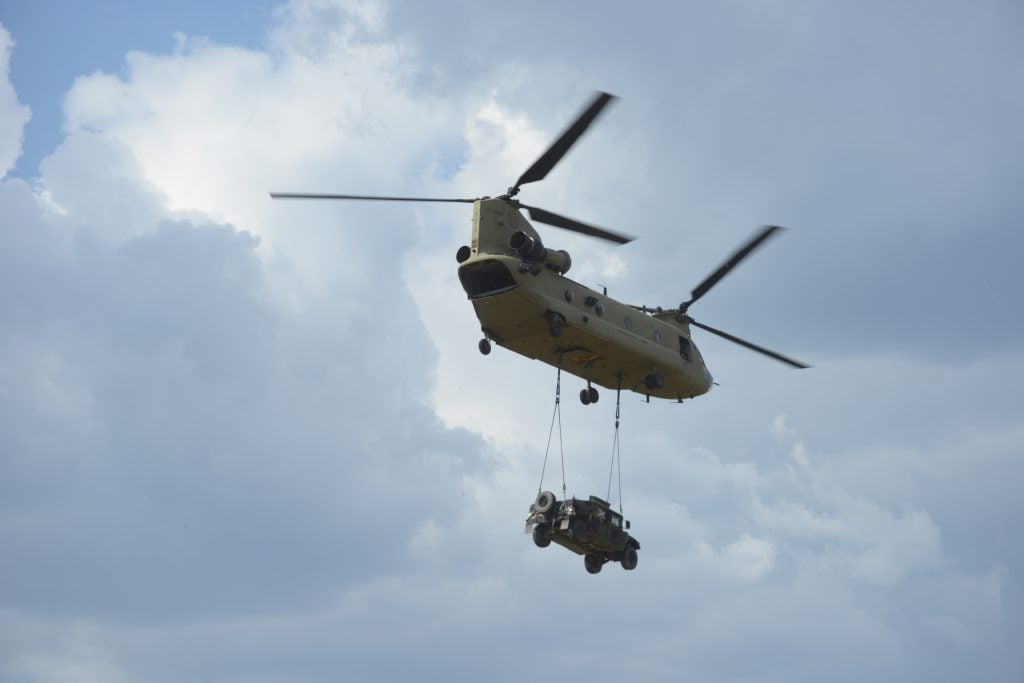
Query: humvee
(586, 527)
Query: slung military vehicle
(586, 527)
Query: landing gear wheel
(541, 539)
(555, 327)
(544, 502)
(592, 563)
(629, 558)
(593, 394)
(585, 397)
(654, 381)
(484, 346)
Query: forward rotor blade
(574, 225)
(733, 261)
(749, 345)
(557, 150)
(309, 195)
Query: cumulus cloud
(747, 558)
(244, 439)
(180, 444)
(162, 371)
(13, 114)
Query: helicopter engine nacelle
(531, 249)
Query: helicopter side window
(485, 278)
(684, 349)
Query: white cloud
(266, 427)
(13, 114)
(877, 545)
(747, 558)
(176, 424)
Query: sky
(247, 440)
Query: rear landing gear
(484, 346)
(589, 395)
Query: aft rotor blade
(567, 223)
(733, 261)
(557, 150)
(749, 345)
(309, 195)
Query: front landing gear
(589, 395)
(484, 346)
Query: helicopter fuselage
(527, 305)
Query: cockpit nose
(485, 278)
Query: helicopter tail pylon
(716, 276)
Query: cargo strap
(555, 416)
(616, 457)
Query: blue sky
(248, 440)
(59, 41)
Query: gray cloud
(247, 441)
(165, 420)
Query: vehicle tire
(484, 346)
(544, 502)
(592, 563)
(593, 394)
(629, 558)
(555, 327)
(585, 397)
(654, 381)
(540, 539)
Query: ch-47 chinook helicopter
(525, 302)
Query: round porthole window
(627, 322)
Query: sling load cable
(557, 414)
(616, 450)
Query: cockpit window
(485, 278)
(684, 349)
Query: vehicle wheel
(585, 397)
(629, 558)
(544, 502)
(654, 381)
(593, 394)
(555, 327)
(541, 539)
(484, 346)
(592, 563)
